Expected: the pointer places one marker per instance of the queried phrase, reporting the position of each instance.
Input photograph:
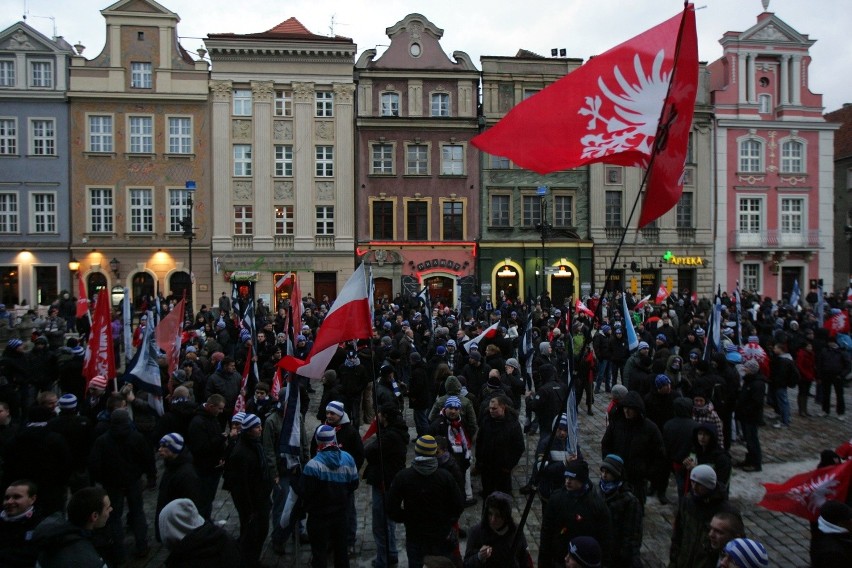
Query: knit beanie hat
(120, 417)
(661, 381)
(703, 475)
(747, 553)
(98, 382)
(14, 343)
(563, 421)
(426, 446)
(172, 442)
(494, 382)
(245, 335)
(751, 366)
(619, 392)
(441, 350)
(177, 519)
(577, 469)
(643, 345)
(249, 422)
(326, 435)
(67, 402)
(238, 417)
(512, 362)
(335, 407)
(586, 551)
(452, 402)
(613, 464)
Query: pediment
(139, 7)
(774, 30)
(22, 37)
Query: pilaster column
(796, 82)
(741, 77)
(221, 163)
(750, 75)
(261, 96)
(785, 79)
(303, 166)
(344, 166)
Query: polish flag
(99, 358)
(168, 335)
(488, 333)
(275, 389)
(662, 294)
(348, 319)
(641, 303)
(82, 298)
(583, 309)
(803, 495)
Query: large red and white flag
(82, 298)
(837, 323)
(803, 495)
(579, 306)
(275, 389)
(621, 107)
(99, 358)
(662, 294)
(487, 333)
(168, 335)
(348, 319)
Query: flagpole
(661, 135)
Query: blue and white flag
(820, 306)
(573, 442)
(738, 297)
(427, 306)
(629, 330)
(714, 341)
(527, 348)
(144, 370)
(796, 294)
(289, 444)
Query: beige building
(139, 138)
(283, 158)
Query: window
(500, 210)
(498, 162)
(180, 135)
(140, 75)
(452, 221)
(751, 276)
(325, 161)
(8, 136)
(792, 215)
(243, 220)
(7, 73)
(325, 103)
(41, 74)
(283, 219)
(749, 215)
(390, 104)
(530, 92)
(563, 211)
(283, 103)
(178, 209)
(141, 135)
(440, 104)
(452, 160)
(612, 209)
(283, 160)
(382, 229)
(382, 159)
(417, 160)
(792, 157)
(684, 211)
(690, 148)
(100, 210)
(100, 133)
(242, 102)
(43, 138)
(417, 220)
(325, 220)
(141, 210)
(242, 160)
(47, 284)
(751, 156)
(531, 205)
(8, 212)
(44, 212)
(764, 103)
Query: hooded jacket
(690, 546)
(453, 387)
(714, 455)
(638, 441)
(426, 499)
(62, 544)
(207, 546)
(326, 482)
(677, 432)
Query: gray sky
(482, 27)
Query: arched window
(94, 282)
(751, 156)
(143, 291)
(792, 157)
(179, 282)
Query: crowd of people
(467, 390)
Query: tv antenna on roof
(51, 18)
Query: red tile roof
(290, 26)
(842, 137)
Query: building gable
(21, 37)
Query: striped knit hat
(14, 343)
(238, 417)
(335, 407)
(326, 435)
(67, 402)
(747, 553)
(452, 402)
(249, 422)
(426, 446)
(172, 442)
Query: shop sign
(682, 260)
(438, 263)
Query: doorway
(325, 284)
(790, 275)
(382, 290)
(561, 287)
(441, 290)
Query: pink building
(774, 167)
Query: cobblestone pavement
(786, 452)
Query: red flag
(168, 335)
(487, 333)
(803, 495)
(349, 318)
(99, 358)
(240, 405)
(581, 307)
(275, 389)
(371, 430)
(837, 323)
(296, 303)
(844, 450)
(662, 294)
(609, 110)
(82, 298)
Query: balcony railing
(242, 242)
(651, 234)
(613, 233)
(324, 242)
(686, 234)
(775, 239)
(283, 242)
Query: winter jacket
(626, 516)
(831, 550)
(204, 438)
(62, 544)
(569, 514)
(500, 443)
(749, 407)
(426, 499)
(501, 548)
(637, 441)
(714, 455)
(176, 419)
(348, 440)
(326, 483)
(549, 401)
(120, 457)
(677, 432)
(179, 481)
(208, 546)
(659, 407)
(690, 546)
(17, 549)
(420, 395)
(228, 385)
(391, 460)
(453, 387)
(247, 475)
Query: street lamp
(73, 264)
(544, 229)
(189, 234)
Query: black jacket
(62, 544)
(394, 442)
(426, 499)
(500, 443)
(247, 475)
(571, 514)
(179, 481)
(120, 457)
(750, 402)
(205, 440)
(637, 441)
(207, 546)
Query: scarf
(425, 465)
(23, 516)
(609, 486)
(828, 528)
(457, 438)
